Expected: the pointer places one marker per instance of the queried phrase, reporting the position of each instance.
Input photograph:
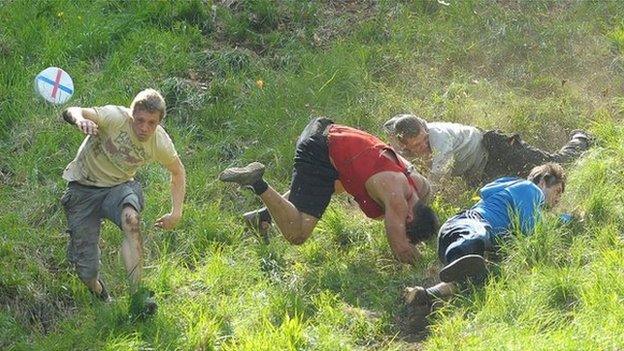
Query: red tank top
(358, 156)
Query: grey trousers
(85, 207)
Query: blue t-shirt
(507, 196)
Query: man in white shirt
(452, 149)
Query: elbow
(296, 240)
(406, 260)
(179, 178)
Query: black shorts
(313, 175)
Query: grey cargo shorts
(85, 207)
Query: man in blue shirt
(464, 238)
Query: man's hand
(83, 118)
(167, 221)
(87, 126)
(409, 255)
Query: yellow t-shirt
(115, 154)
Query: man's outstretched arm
(83, 118)
(178, 191)
(392, 192)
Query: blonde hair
(149, 100)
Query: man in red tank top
(331, 156)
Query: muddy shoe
(469, 266)
(417, 296)
(103, 295)
(247, 175)
(142, 304)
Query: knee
(131, 219)
(88, 274)
(297, 239)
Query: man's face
(417, 145)
(551, 193)
(144, 124)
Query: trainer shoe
(103, 295)
(259, 220)
(247, 175)
(581, 134)
(142, 304)
(469, 266)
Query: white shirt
(456, 149)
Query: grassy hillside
(241, 79)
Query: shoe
(247, 175)
(142, 304)
(581, 134)
(256, 219)
(103, 295)
(466, 267)
(417, 296)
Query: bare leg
(294, 225)
(260, 219)
(131, 249)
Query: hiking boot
(469, 266)
(417, 296)
(247, 175)
(103, 295)
(143, 304)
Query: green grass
(541, 68)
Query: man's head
(148, 110)
(409, 133)
(424, 224)
(551, 178)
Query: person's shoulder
(113, 112)
(527, 189)
(526, 184)
(165, 151)
(451, 129)
(161, 135)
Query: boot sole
(244, 175)
(469, 266)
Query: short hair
(424, 225)
(149, 100)
(552, 173)
(405, 126)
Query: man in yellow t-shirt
(101, 183)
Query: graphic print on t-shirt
(124, 153)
